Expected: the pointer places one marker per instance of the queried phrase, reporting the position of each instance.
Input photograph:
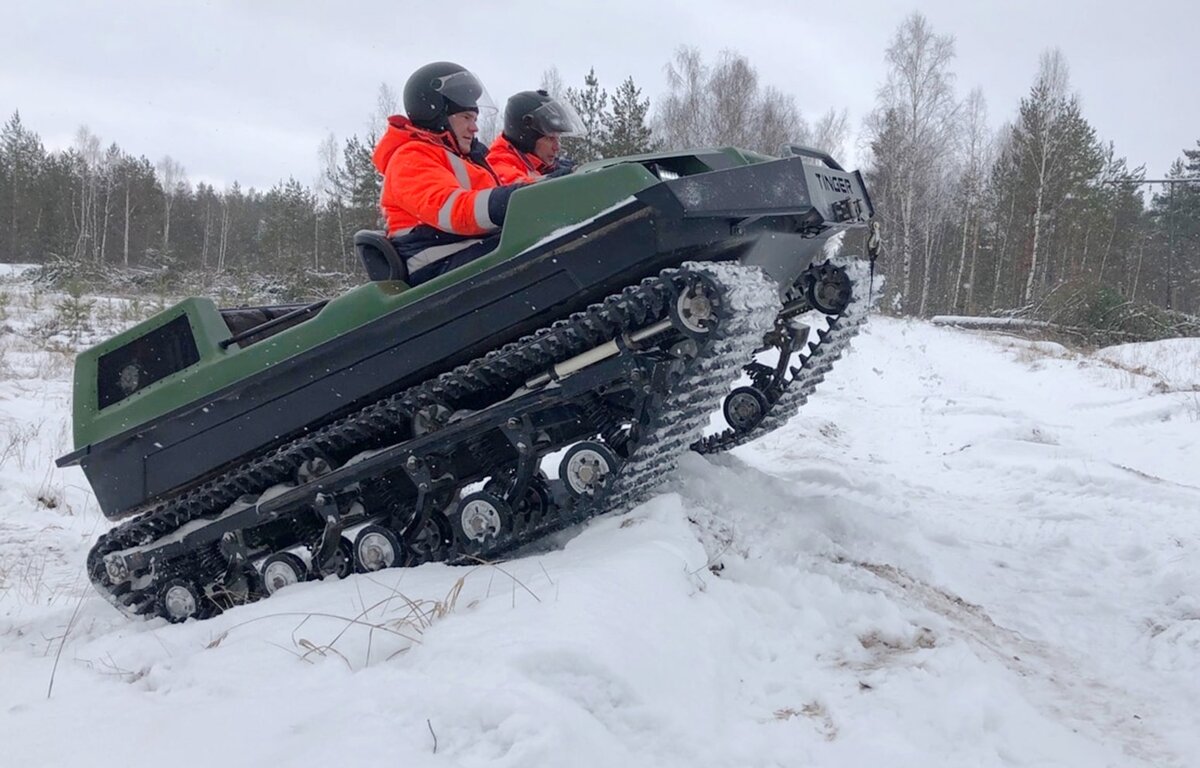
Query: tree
(134, 178)
(171, 176)
(87, 157)
(591, 102)
(386, 105)
(360, 185)
(626, 132)
(334, 194)
(1172, 274)
(831, 132)
(724, 105)
(22, 159)
(974, 149)
(911, 132)
(680, 117)
(1055, 155)
(552, 83)
(288, 212)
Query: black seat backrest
(379, 256)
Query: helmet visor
(465, 91)
(556, 118)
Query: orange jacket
(512, 165)
(426, 181)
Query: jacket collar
(532, 161)
(401, 131)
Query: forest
(1039, 217)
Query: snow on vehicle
(252, 448)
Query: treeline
(1039, 217)
(91, 209)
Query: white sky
(247, 90)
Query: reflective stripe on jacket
(425, 181)
(513, 165)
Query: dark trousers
(454, 260)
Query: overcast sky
(247, 90)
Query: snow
(14, 270)
(1174, 363)
(967, 550)
(971, 321)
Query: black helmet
(529, 115)
(440, 89)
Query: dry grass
(814, 711)
(401, 619)
(14, 446)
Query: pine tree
(23, 160)
(626, 132)
(591, 102)
(1171, 274)
(1056, 155)
(360, 186)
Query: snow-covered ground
(969, 551)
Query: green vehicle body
(612, 222)
(536, 212)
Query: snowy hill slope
(968, 551)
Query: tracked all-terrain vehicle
(392, 425)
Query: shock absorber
(615, 434)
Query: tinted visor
(465, 91)
(554, 118)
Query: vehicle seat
(379, 256)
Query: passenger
(444, 204)
(528, 147)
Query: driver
(444, 204)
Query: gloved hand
(498, 202)
(562, 166)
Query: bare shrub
(14, 447)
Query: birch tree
(1056, 155)
(171, 176)
(974, 142)
(724, 105)
(552, 83)
(386, 105)
(831, 132)
(334, 192)
(910, 134)
(87, 153)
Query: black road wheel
(431, 541)
(533, 506)
(744, 408)
(376, 548)
(341, 564)
(694, 310)
(828, 289)
(312, 468)
(586, 467)
(536, 505)
(282, 569)
(180, 600)
(481, 520)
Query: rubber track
(832, 344)
(502, 369)
(752, 299)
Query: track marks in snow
(1109, 712)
